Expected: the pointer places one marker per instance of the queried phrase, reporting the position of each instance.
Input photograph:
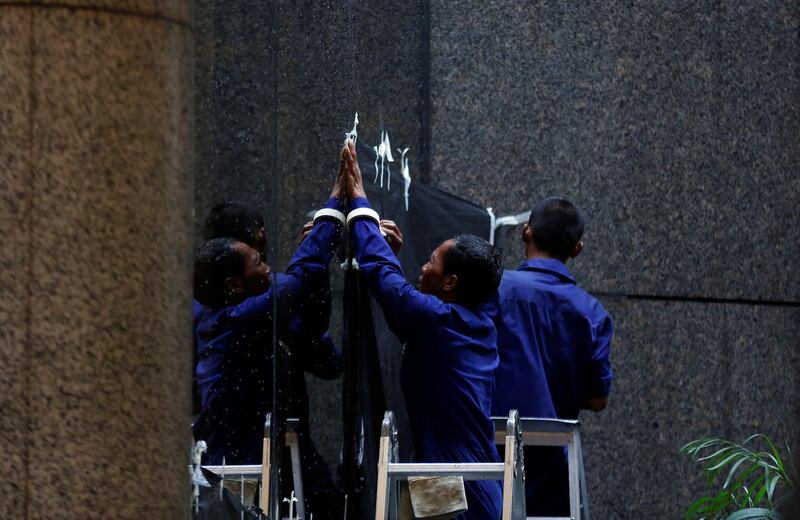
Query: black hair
(235, 220)
(557, 226)
(214, 261)
(478, 265)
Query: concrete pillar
(95, 203)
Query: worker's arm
(599, 374)
(407, 310)
(307, 269)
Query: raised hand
(305, 231)
(340, 186)
(355, 184)
(393, 235)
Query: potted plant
(749, 478)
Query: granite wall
(95, 201)
(273, 100)
(672, 125)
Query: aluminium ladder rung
(510, 472)
(263, 470)
(537, 431)
(540, 432)
(233, 471)
(470, 471)
(541, 424)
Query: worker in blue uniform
(554, 341)
(447, 375)
(235, 294)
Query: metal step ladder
(557, 432)
(292, 441)
(511, 472)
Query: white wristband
(363, 213)
(329, 213)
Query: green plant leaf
(746, 496)
(766, 457)
(716, 454)
(744, 475)
(754, 513)
(733, 471)
(708, 507)
(749, 480)
(700, 444)
(777, 456)
(696, 507)
(760, 484)
(753, 437)
(724, 462)
(771, 487)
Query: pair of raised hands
(349, 184)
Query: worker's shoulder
(550, 289)
(522, 282)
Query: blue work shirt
(447, 374)
(234, 347)
(316, 354)
(554, 341)
(312, 347)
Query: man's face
(432, 279)
(255, 279)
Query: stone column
(95, 203)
